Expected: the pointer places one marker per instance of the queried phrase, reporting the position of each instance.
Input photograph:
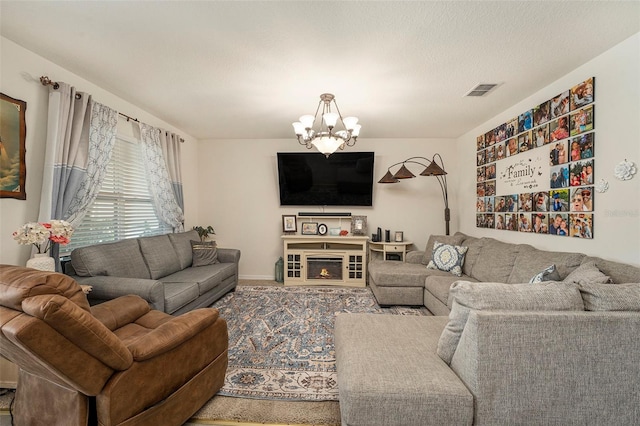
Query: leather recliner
(117, 363)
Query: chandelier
(326, 139)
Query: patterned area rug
(281, 339)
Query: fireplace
(324, 268)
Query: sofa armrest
(172, 333)
(107, 288)
(551, 365)
(227, 255)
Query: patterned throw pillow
(447, 258)
(204, 253)
(549, 273)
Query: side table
(391, 250)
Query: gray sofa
(158, 269)
(554, 353)
(486, 260)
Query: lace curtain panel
(160, 185)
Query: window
(123, 208)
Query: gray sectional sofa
(507, 352)
(158, 269)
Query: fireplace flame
(324, 273)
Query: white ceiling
(247, 69)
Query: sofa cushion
(530, 261)
(495, 261)
(550, 273)
(587, 273)
(176, 295)
(619, 272)
(204, 253)
(610, 297)
(550, 296)
(389, 373)
(455, 240)
(439, 285)
(120, 259)
(400, 274)
(206, 277)
(448, 258)
(182, 245)
(160, 256)
(18, 283)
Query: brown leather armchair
(117, 363)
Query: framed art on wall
(13, 133)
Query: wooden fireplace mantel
(349, 251)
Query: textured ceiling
(247, 69)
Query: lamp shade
(388, 178)
(307, 121)
(404, 173)
(433, 170)
(330, 119)
(327, 145)
(350, 122)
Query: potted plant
(203, 232)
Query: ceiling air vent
(481, 89)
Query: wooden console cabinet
(324, 260)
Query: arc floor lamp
(432, 168)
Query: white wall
(241, 201)
(20, 70)
(617, 117)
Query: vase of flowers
(42, 236)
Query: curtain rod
(46, 81)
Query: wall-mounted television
(312, 179)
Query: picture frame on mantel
(358, 225)
(13, 132)
(289, 224)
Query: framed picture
(13, 132)
(289, 223)
(309, 228)
(358, 225)
(334, 232)
(399, 237)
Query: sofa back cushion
(493, 260)
(119, 259)
(549, 296)
(182, 245)
(453, 240)
(618, 272)
(531, 261)
(611, 297)
(160, 256)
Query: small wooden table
(397, 250)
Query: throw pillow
(610, 297)
(550, 296)
(204, 253)
(550, 273)
(447, 258)
(454, 240)
(587, 273)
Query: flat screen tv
(312, 179)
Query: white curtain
(162, 192)
(80, 138)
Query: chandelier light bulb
(298, 127)
(350, 122)
(356, 131)
(330, 119)
(307, 121)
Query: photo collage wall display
(535, 173)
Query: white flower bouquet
(42, 235)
